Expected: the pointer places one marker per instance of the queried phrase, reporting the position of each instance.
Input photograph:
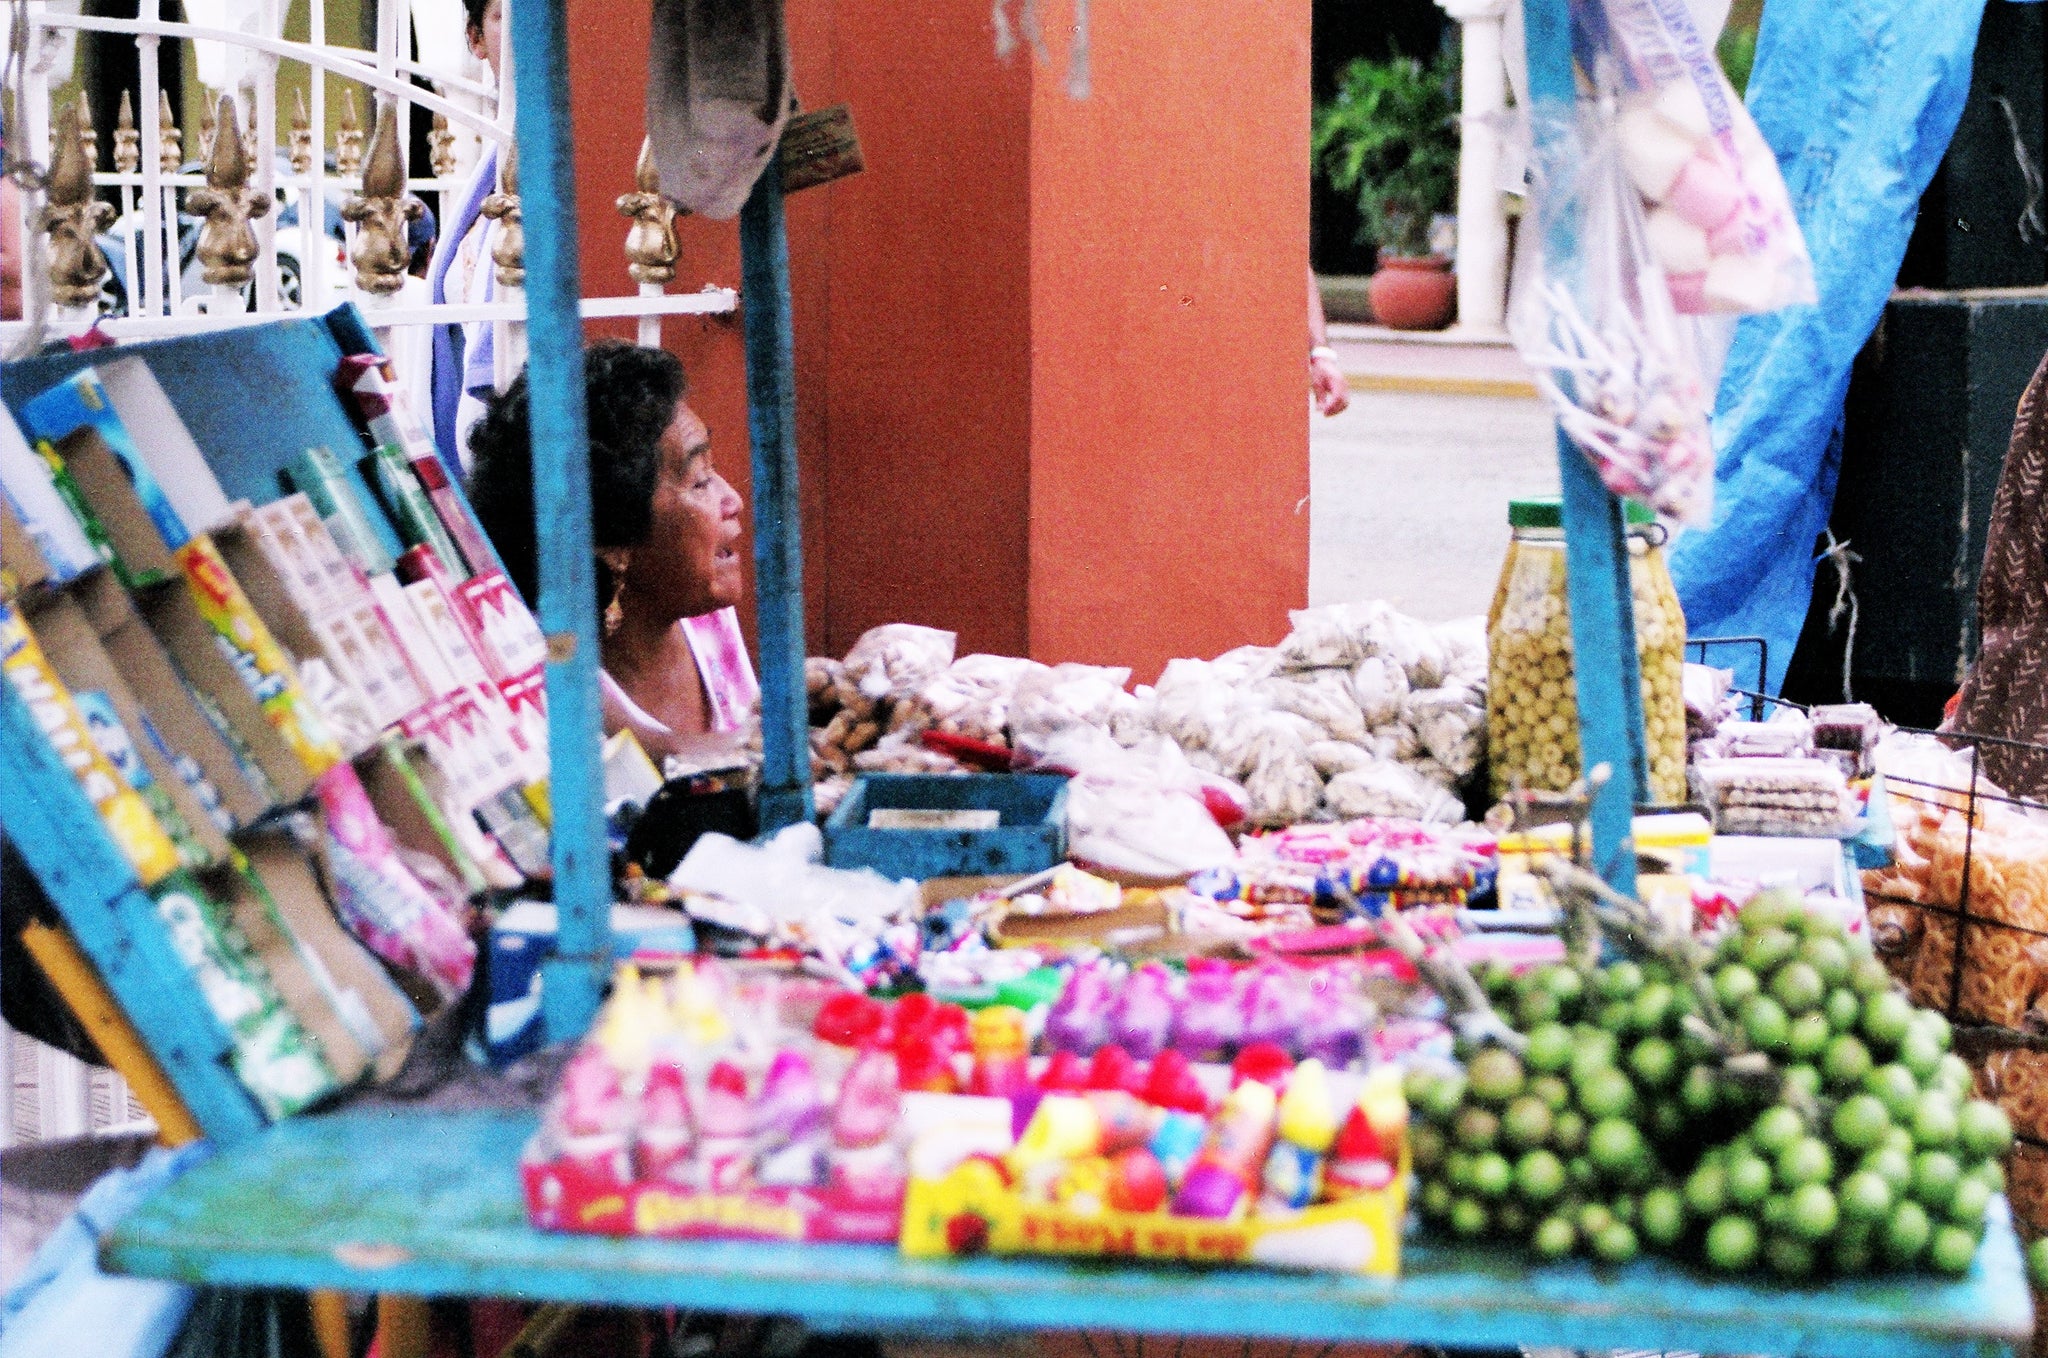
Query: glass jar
(1532, 713)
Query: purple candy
(1143, 1014)
(1208, 1191)
(1079, 1019)
(1275, 1006)
(1209, 1023)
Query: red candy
(1114, 1068)
(1065, 1073)
(1171, 1083)
(1262, 1061)
(848, 1020)
(1137, 1182)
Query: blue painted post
(116, 924)
(1605, 663)
(575, 977)
(778, 537)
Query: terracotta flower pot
(1411, 293)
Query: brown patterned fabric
(2007, 691)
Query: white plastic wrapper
(1389, 789)
(1051, 699)
(897, 659)
(1283, 783)
(1320, 696)
(1334, 636)
(1379, 687)
(1332, 757)
(1133, 719)
(1141, 811)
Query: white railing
(303, 267)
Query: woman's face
(690, 562)
(487, 39)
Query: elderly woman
(666, 528)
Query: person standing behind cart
(666, 528)
(461, 272)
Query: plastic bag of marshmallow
(1716, 213)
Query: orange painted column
(1051, 382)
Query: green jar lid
(1548, 512)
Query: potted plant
(1390, 139)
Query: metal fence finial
(127, 141)
(381, 212)
(72, 215)
(227, 245)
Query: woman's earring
(615, 612)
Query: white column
(1482, 225)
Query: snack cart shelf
(430, 1203)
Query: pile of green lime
(1619, 1129)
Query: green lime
(1776, 1128)
(1842, 1009)
(1552, 1091)
(1776, 1217)
(1442, 1096)
(1616, 1147)
(2037, 1264)
(1653, 1062)
(1829, 958)
(1667, 1119)
(1733, 984)
(1654, 1005)
(1971, 1201)
(1936, 1026)
(1749, 1180)
(1920, 1053)
(1935, 1122)
(1952, 1250)
(1428, 1146)
(1935, 1176)
(1900, 1139)
(1578, 1173)
(1706, 1190)
(1491, 1176)
(1886, 1017)
(1896, 1088)
(1767, 951)
(1953, 1077)
(1893, 1166)
(1497, 978)
(1476, 1129)
(1624, 1206)
(1458, 1170)
(1845, 1061)
(1496, 1076)
(1510, 1218)
(1799, 988)
(1700, 1090)
(1865, 1197)
(1788, 1256)
(1567, 985)
(1526, 1123)
(1860, 1122)
(1808, 1037)
(1436, 1200)
(1554, 1239)
(1983, 1130)
(1620, 981)
(1662, 1217)
(1814, 1213)
(1772, 908)
(1550, 1048)
(1535, 1007)
(1765, 1024)
(1616, 1244)
(1415, 1082)
(1607, 1094)
(1853, 1252)
(1539, 1177)
(1593, 1048)
(1867, 976)
(1594, 1218)
(1568, 1132)
(1732, 1243)
(1468, 1218)
(1806, 1161)
(1613, 1017)
(1991, 1174)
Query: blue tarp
(1859, 99)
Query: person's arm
(1325, 378)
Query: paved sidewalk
(1446, 363)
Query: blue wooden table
(429, 1204)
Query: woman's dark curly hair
(631, 394)
(473, 15)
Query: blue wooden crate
(1031, 837)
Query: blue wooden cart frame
(429, 1203)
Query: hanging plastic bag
(1717, 216)
(1593, 317)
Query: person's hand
(1326, 382)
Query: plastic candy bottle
(1275, 1005)
(1171, 1084)
(863, 1162)
(1142, 1017)
(1209, 1022)
(1175, 1144)
(663, 1142)
(1002, 1062)
(1336, 1029)
(789, 1123)
(1113, 1068)
(1079, 1019)
(1064, 1073)
(725, 1122)
(594, 1119)
(1263, 1062)
(1307, 1126)
(1220, 1178)
(1358, 1162)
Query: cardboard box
(523, 938)
(141, 557)
(165, 446)
(23, 567)
(44, 514)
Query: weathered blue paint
(561, 489)
(429, 1204)
(778, 536)
(115, 924)
(1605, 665)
